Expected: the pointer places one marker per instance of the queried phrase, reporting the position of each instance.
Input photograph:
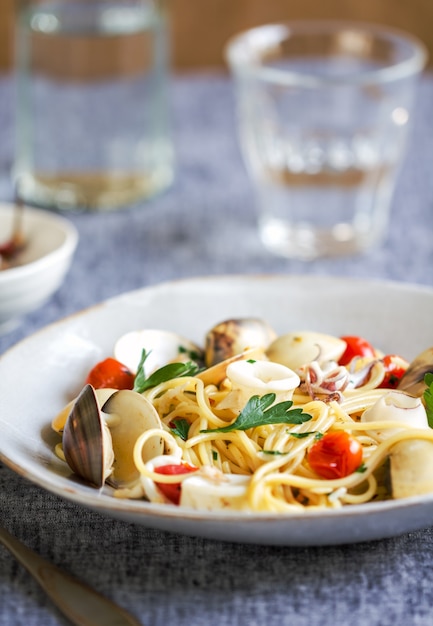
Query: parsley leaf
(163, 374)
(257, 413)
(428, 398)
(180, 427)
(140, 376)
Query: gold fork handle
(80, 603)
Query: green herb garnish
(428, 398)
(361, 469)
(161, 375)
(192, 354)
(303, 435)
(257, 413)
(180, 427)
(274, 452)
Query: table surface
(193, 230)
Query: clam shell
(299, 348)
(86, 443)
(59, 421)
(232, 337)
(128, 415)
(98, 443)
(162, 347)
(412, 380)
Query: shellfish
(234, 336)
(412, 380)
(161, 346)
(98, 441)
(296, 349)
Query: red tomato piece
(110, 373)
(355, 346)
(395, 367)
(335, 455)
(172, 490)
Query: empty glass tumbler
(323, 111)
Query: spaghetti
(275, 457)
(263, 439)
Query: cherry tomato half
(110, 373)
(172, 491)
(335, 455)
(395, 367)
(356, 346)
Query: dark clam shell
(83, 440)
(412, 381)
(98, 443)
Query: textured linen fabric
(206, 225)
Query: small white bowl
(51, 243)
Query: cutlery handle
(80, 603)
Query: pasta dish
(252, 422)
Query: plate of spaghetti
(280, 410)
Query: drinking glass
(323, 112)
(92, 103)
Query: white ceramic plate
(46, 370)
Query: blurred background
(200, 28)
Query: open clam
(234, 336)
(98, 442)
(412, 380)
(58, 423)
(161, 346)
(87, 443)
(296, 349)
(411, 468)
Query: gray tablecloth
(205, 224)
